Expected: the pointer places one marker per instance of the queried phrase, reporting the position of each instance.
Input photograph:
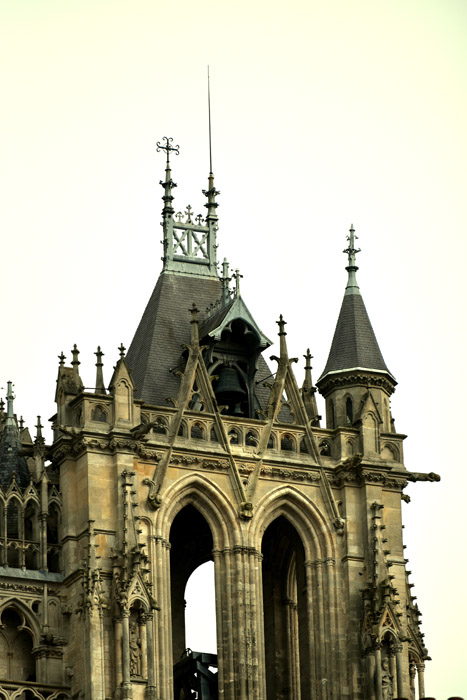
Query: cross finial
(122, 348)
(61, 357)
(167, 147)
(351, 250)
(99, 354)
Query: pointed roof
(157, 345)
(354, 345)
(12, 462)
(236, 309)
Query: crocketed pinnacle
(354, 345)
(12, 463)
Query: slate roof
(354, 344)
(11, 460)
(164, 327)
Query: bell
(228, 389)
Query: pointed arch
(304, 514)
(209, 500)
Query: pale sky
(324, 114)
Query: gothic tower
(197, 450)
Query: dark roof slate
(164, 327)
(354, 343)
(11, 459)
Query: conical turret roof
(354, 345)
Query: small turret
(356, 382)
(12, 462)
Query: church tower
(197, 450)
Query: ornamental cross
(167, 147)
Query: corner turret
(356, 382)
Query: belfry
(199, 450)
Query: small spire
(225, 283)
(100, 386)
(39, 440)
(283, 347)
(351, 251)
(21, 422)
(75, 362)
(2, 409)
(121, 350)
(61, 358)
(308, 384)
(211, 192)
(237, 277)
(169, 184)
(194, 324)
(10, 397)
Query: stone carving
(135, 651)
(386, 681)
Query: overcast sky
(324, 114)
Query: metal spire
(211, 192)
(352, 286)
(169, 184)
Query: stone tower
(197, 450)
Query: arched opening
(349, 410)
(191, 546)
(200, 610)
(286, 632)
(16, 659)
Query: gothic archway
(286, 632)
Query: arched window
(348, 411)
(287, 443)
(286, 632)
(197, 431)
(16, 659)
(98, 414)
(234, 437)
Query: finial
(351, 251)
(168, 148)
(307, 384)
(169, 184)
(100, 386)
(39, 439)
(194, 324)
(225, 283)
(61, 358)
(2, 408)
(283, 347)
(10, 397)
(237, 277)
(121, 350)
(75, 353)
(21, 423)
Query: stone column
(400, 678)
(151, 687)
(378, 673)
(392, 667)
(126, 683)
(370, 660)
(412, 674)
(421, 680)
(144, 646)
(118, 651)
